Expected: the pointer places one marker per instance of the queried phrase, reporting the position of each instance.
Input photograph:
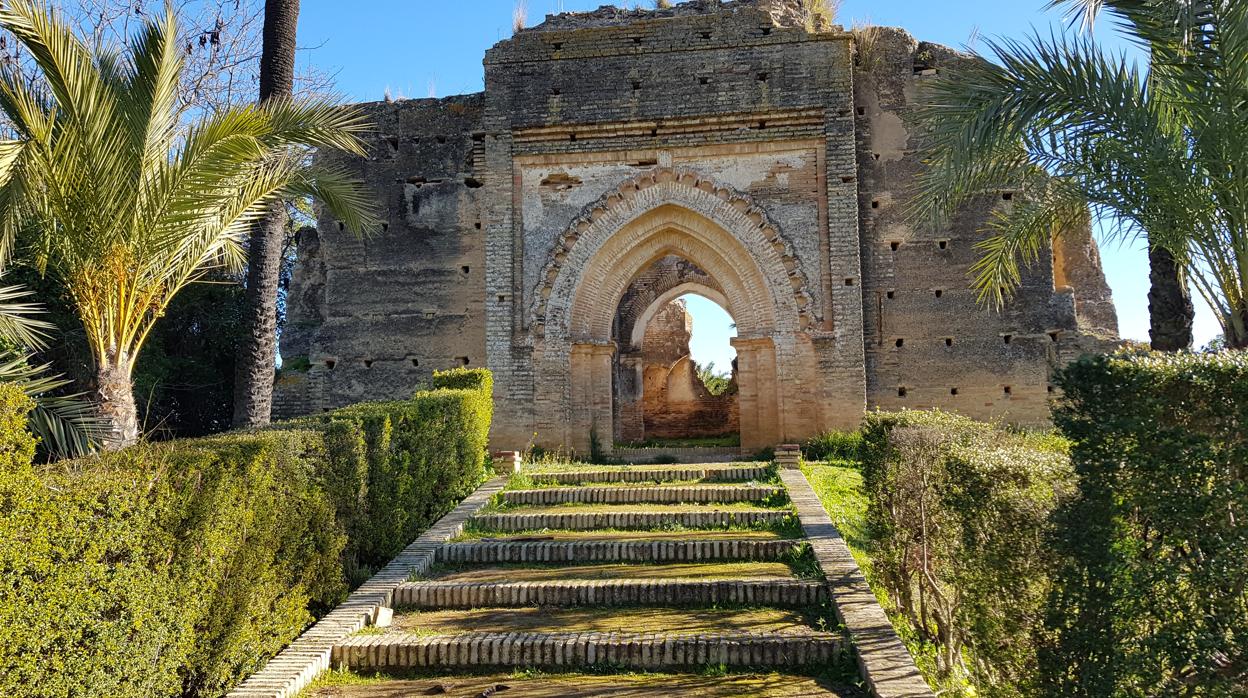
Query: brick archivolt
(671, 211)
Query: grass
(540, 572)
(671, 620)
(600, 681)
(790, 527)
(840, 489)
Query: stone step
(641, 651)
(555, 572)
(631, 520)
(617, 550)
(581, 684)
(692, 494)
(718, 473)
(614, 592)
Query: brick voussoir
(629, 520)
(692, 494)
(615, 592)
(652, 651)
(617, 551)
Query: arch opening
(670, 327)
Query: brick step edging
(629, 520)
(693, 494)
(617, 550)
(610, 592)
(618, 650)
(639, 474)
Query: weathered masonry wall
(374, 317)
(726, 145)
(928, 341)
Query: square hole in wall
(894, 245)
(704, 80)
(862, 111)
(953, 391)
(558, 45)
(1052, 389)
(948, 341)
(415, 361)
(901, 342)
(461, 360)
(943, 244)
(849, 282)
(554, 91)
(762, 77)
(636, 85)
(1007, 196)
(502, 298)
(1055, 335)
(901, 392)
(875, 204)
(331, 363)
(465, 269)
(1007, 338)
(890, 294)
(706, 35)
(477, 225)
(1008, 390)
(368, 363)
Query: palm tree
(103, 188)
(1159, 153)
(253, 387)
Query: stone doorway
(662, 394)
(731, 253)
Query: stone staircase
(615, 581)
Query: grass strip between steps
(712, 681)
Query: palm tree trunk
(116, 392)
(253, 384)
(1170, 309)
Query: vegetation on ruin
(1152, 151)
(104, 189)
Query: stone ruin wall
(675, 402)
(478, 192)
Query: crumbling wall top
(783, 13)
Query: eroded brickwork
(723, 147)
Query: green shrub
(958, 514)
(1152, 595)
(179, 568)
(17, 446)
(834, 445)
(393, 468)
(162, 569)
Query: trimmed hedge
(178, 568)
(1152, 595)
(394, 468)
(958, 515)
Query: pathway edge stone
(883, 660)
(296, 666)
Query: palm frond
(67, 425)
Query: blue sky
(427, 48)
